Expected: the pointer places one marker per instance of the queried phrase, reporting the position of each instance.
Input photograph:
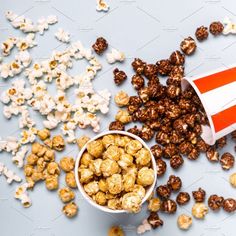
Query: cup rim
(80, 187)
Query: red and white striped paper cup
(217, 92)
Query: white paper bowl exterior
(80, 187)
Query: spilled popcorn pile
(174, 116)
(55, 109)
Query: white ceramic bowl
(87, 197)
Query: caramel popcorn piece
(95, 148)
(66, 194)
(53, 168)
(70, 209)
(43, 134)
(67, 164)
(116, 231)
(58, 143)
(81, 141)
(70, 180)
(52, 182)
(131, 202)
(145, 176)
(115, 184)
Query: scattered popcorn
(62, 35)
(142, 228)
(102, 5)
(115, 56)
(27, 26)
(229, 26)
(18, 158)
(22, 194)
(10, 175)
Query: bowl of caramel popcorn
(116, 172)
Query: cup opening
(208, 132)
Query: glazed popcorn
(58, 144)
(113, 177)
(62, 35)
(131, 202)
(123, 116)
(70, 210)
(115, 56)
(102, 6)
(43, 134)
(41, 166)
(229, 26)
(18, 158)
(26, 25)
(67, 164)
(100, 45)
(116, 231)
(121, 99)
(70, 179)
(51, 182)
(82, 140)
(22, 194)
(154, 204)
(66, 194)
(9, 174)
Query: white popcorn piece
(10, 144)
(52, 19)
(10, 15)
(42, 25)
(15, 67)
(64, 81)
(69, 132)
(28, 136)
(25, 200)
(24, 57)
(51, 122)
(115, 56)
(102, 6)
(25, 121)
(22, 194)
(229, 26)
(26, 42)
(5, 70)
(62, 35)
(10, 175)
(8, 45)
(145, 226)
(18, 158)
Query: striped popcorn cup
(217, 92)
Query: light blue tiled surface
(148, 29)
